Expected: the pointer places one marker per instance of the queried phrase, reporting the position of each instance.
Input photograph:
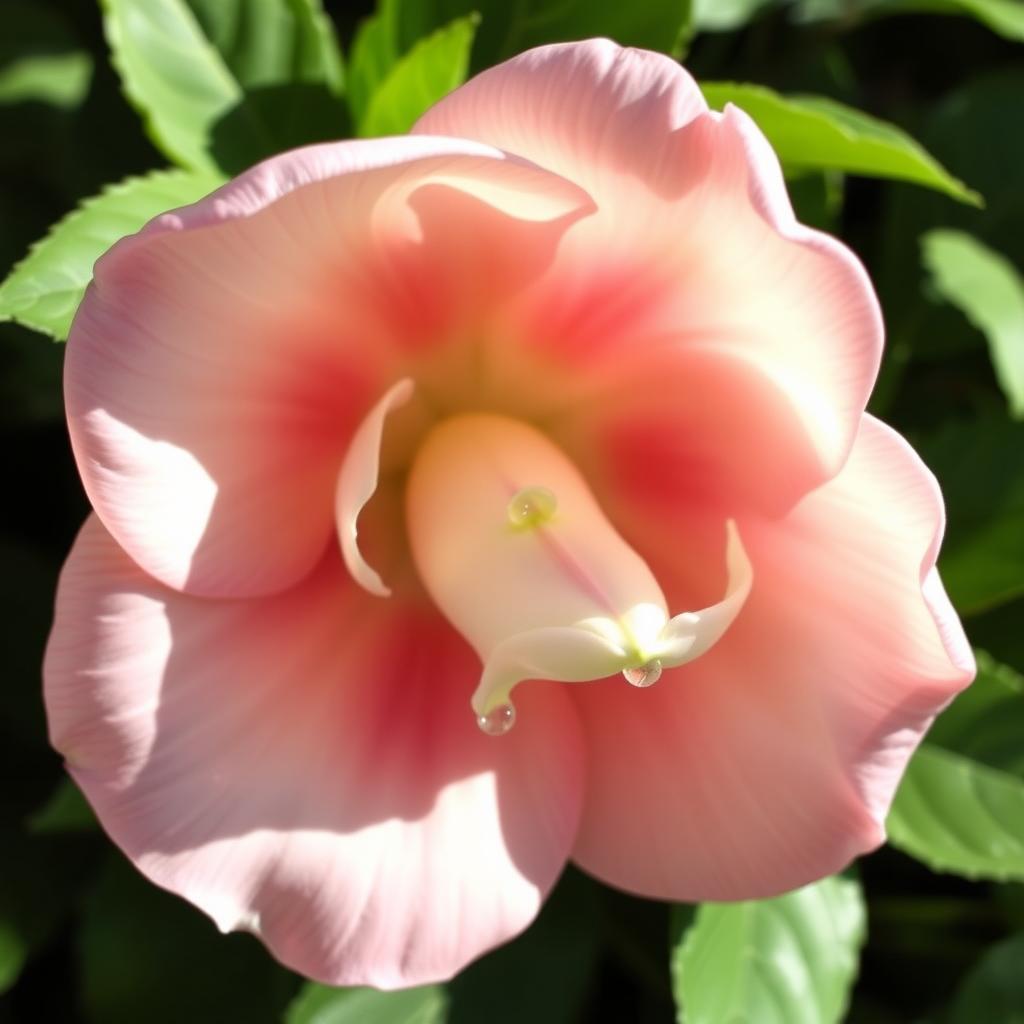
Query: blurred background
(84, 938)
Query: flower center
(514, 549)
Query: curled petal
(595, 648)
(697, 632)
(303, 766)
(357, 482)
(568, 654)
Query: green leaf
(13, 953)
(375, 51)
(429, 71)
(267, 42)
(223, 83)
(788, 960)
(1004, 17)
(40, 60)
(812, 132)
(45, 79)
(173, 74)
(725, 15)
(44, 289)
(507, 29)
(960, 807)
(320, 1004)
(61, 80)
(967, 131)
(989, 291)
(986, 721)
(960, 816)
(994, 988)
(980, 465)
(65, 811)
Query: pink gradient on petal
(708, 786)
(694, 245)
(732, 289)
(910, 656)
(797, 298)
(307, 767)
(772, 760)
(732, 438)
(224, 355)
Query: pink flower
(595, 402)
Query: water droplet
(531, 507)
(498, 720)
(644, 675)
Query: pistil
(515, 550)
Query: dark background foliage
(84, 938)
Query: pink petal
(306, 766)
(592, 111)
(694, 426)
(772, 760)
(225, 354)
(692, 272)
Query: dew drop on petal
(531, 507)
(498, 720)
(643, 675)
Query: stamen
(542, 587)
(532, 507)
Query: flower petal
(772, 760)
(598, 647)
(592, 111)
(358, 480)
(306, 766)
(694, 252)
(732, 440)
(225, 354)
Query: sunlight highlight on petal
(357, 482)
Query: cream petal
(357, 482)
(492, 578)
(516, 552)
(598, 647)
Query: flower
(595, 403)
